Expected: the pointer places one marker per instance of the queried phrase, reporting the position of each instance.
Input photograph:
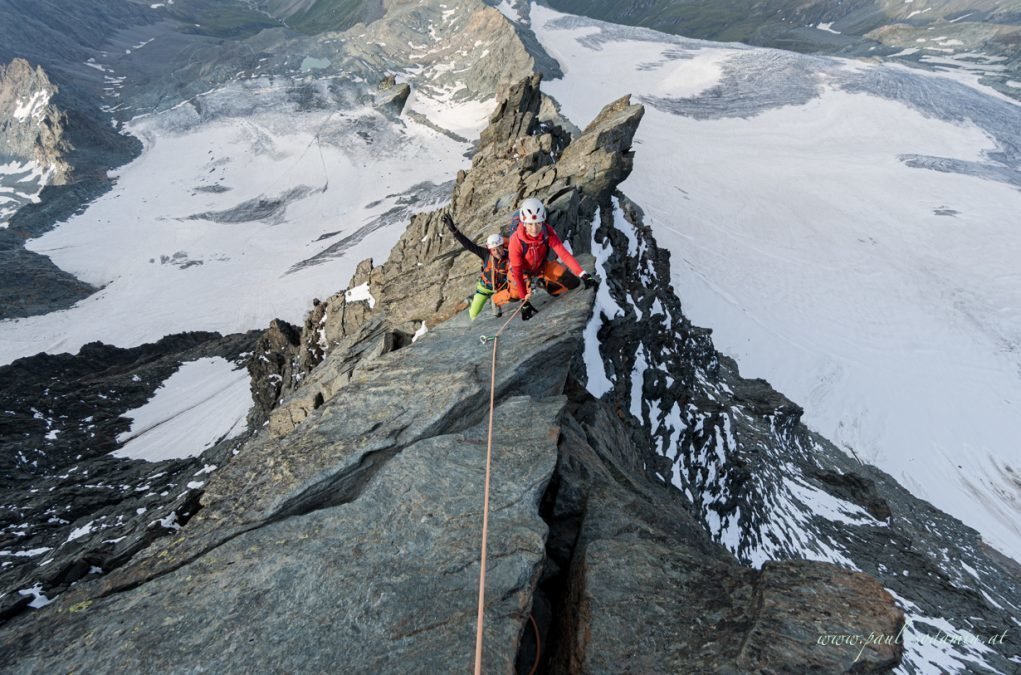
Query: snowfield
(243, 215)
(204, 401)
(20, 184)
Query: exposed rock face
(368, 512)
(272, 365)
(650, 593)
(70, 509)
(36, 125)
(357, 499)
(31, 127)
(364, 504)
(394, 99)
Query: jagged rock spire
(524, 153)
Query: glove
(528, 311)
(448, 221)
(590, 281)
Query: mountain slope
(367, 511)
(266, 179)
(679, 457)
(763, 484)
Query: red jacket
(528, 255)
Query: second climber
(493, 277)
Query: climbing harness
(493, 270)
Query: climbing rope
(485, 499)
(538, 645)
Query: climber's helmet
(532, 213)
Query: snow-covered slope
(207, 230)
(190, 412)
(20, 184)
(848, 231)
(273, 163)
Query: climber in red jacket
(528, 250)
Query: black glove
(528, 311)
(590, 281)
(448, 221)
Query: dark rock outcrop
(394, 99)
(650, 593)
(70, 509)
(272, 364)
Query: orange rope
(538, 647)
(485, 506)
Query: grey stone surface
(387, 583)
(648, 592)
(31, 127)
(353, 538)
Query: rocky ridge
(366, 509)
(521, 153)
(31, 127)
(738, 491)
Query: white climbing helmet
(532, 211)
(494, 241)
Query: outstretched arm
(557, 245)
(467, 243)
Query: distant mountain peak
(32, 128)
